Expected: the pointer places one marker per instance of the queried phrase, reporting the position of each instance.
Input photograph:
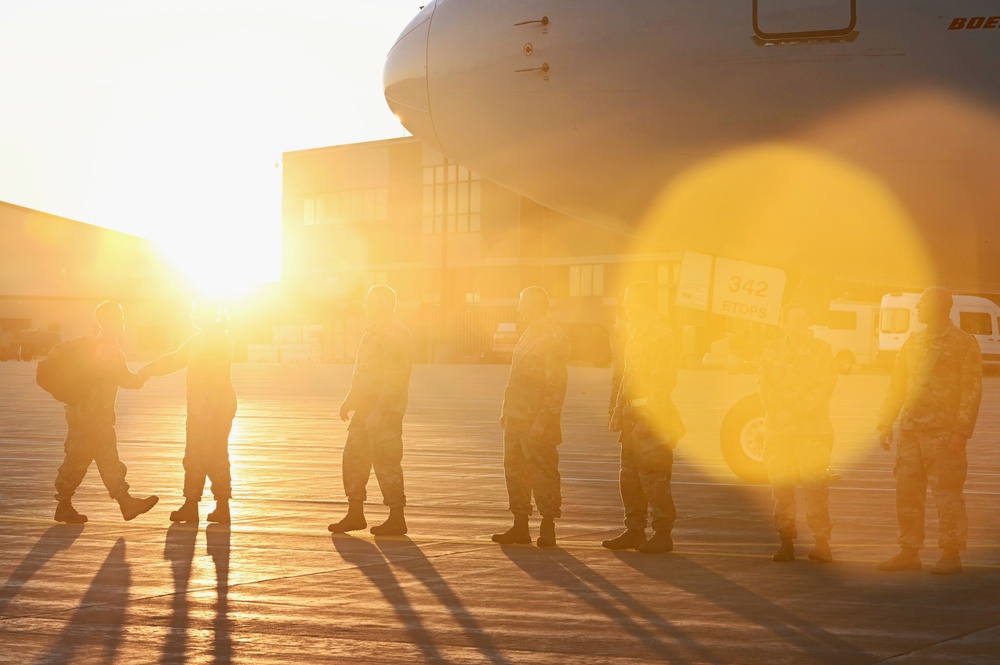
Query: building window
(586, 280)
(351, 206)
(454, 197)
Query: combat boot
(395, 525)
(786, 552)
(547, 532)
(517, 534)
(354, 520)
(660, 543)
(907, 559)
(186, 513)
(65, 512)
(822, 551)
(950, 563)
(132, 507)
(630, 539)
(221, 512)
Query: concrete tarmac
(276, 587)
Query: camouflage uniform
(935, 390)
(651, 427)
(380, 384)
(535, 392)
(91, 436)
(619, 338)
(796, 384)
(211, 407)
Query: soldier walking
(935, 391)
(796, 380)
(211, 407)
(378, 397)
(650, 426)
(530, 419)
(91, 423)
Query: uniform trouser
(799, 458)
(206, 455)
(924, 458)
(90, 440)
(531, 466)
(647, 463)
(381, 449)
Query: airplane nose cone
(405, 78)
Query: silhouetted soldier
(91, 420)
(650, 426)
(211, 407)
(530, 418)
(796, 379)
(378, 398)
(936, 388)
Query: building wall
(54, 271)
(457, 248)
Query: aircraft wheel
(743, 439)
(845, 362)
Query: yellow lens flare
(793, 207)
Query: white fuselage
(860, 143)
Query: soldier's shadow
(99, 620)
(662, 639)
(808, 638)
(373, 564)
(407, 555)
(55, 539)
(217, 543)
(178, 549)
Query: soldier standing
(91, 423)
(211, 407)
(650, 426)
(935, 391)
(530, 419)
(796, 380)
(378, 397)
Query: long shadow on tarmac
(415, 562)
(370, 561)
(55, 539)
(99, 620)
(647, 625)
(178, 549)
(217, 536)
(822, 645)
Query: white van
(852, 329)
(978, 316)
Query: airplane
(848, 139)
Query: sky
(167, 120)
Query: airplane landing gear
(743, 439)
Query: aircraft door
(804, 20)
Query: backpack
(68, 372)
